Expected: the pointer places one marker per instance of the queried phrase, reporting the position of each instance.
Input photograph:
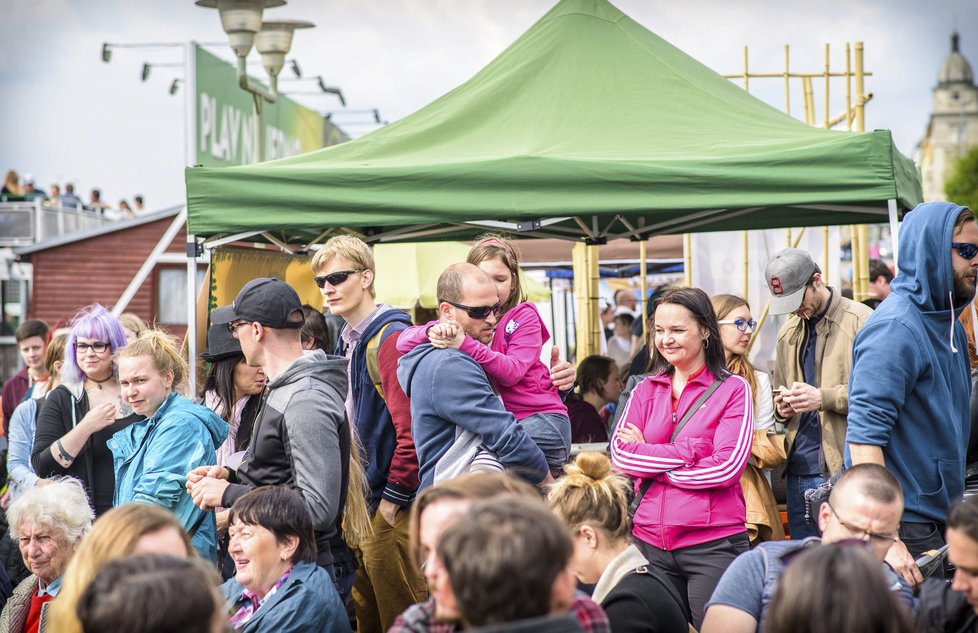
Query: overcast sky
(69, 117)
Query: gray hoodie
(302, 439)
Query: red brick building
(96, 266)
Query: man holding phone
(811, 374)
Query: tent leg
(586, 289)
(891, 207)
(643, 270)
(191, 336)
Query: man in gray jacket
(301, 437)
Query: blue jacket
(448, 389)
(306, 603)
(373, 420)
(910, 386)
(152, 458)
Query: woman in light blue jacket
(152, 457)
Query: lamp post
(242, 21)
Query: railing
(23, 223)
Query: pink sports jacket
(696, 495)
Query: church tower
(953, 126)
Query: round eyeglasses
(744, 325)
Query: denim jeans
(552, 433)
(922, 537)
(798, 528)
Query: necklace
(99, 382)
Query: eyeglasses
(742, 324)
(335, 279)
(98, 347)
(965, 249)
(234, 325)
(479, 312)
(858, 532)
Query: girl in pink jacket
(691, 522)
(512, 361)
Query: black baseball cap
(266, 300)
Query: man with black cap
(301, 438)
(811, 374)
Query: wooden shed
(97, 266)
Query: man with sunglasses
(387, 580)
(451, 396)
(911, 381)
(865, 505)
(812, 371)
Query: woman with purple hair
(85, 410)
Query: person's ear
(817, 279)
(168, 379)
(287, 547)
(823, 516)
(446, 311)
(590, 535)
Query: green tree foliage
(962, 187)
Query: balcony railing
(23, 223)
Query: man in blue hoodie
(910, 385)
(451, 396)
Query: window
(171, 294)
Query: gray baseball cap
(787, 274)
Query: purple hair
(94, 322)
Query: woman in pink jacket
(690, 522)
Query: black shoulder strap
(633, 506)
(196, 526)
(696, 406)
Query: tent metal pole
(825, 250)
(191, 337)
(746, 240)
(688, 259)
(891, 207)
(644, 272)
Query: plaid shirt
(250, 603)
(420, 618)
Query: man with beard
(456, 417)
(911, 385)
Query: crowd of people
(17, 189)
(420, 478)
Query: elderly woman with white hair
(47, 522)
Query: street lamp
(147, 66)
(242, 21)
(323, 88)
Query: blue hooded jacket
(152, 459)
(910, 386)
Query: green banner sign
(225, 132)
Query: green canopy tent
(588, 126)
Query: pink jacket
(696, 495)
(512, 361)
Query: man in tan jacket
(811, 374)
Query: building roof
(955, 68)
(113, 227)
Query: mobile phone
(777, 390)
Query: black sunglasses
(336, 278)
(480, 312)
(965, 249)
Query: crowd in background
(421, 477)
(17, 189)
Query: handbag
(633, 506)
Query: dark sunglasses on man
(965, 249)
(478, 312)
(335, 279)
